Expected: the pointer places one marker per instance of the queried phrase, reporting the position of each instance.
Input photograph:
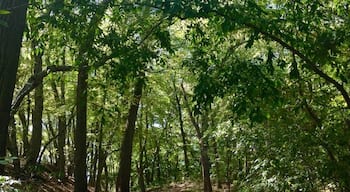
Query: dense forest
(137, 95)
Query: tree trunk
(80, 131)
(204, 154)
(205, 169)
(62, 128)
(36, 139)
(141, 170)
(157, 161)
(71, 151)
(93, 168)
(123, 179)
(101, 156)
(217, 165)
(25, 125)
(147, 172)
(183, 134)
(14, 148)
(142, 149)
(10, 45)
(101, 163)
(203, 144)
(106, 174)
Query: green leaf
(4, 12)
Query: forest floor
(42, 183)
(49, 184)
(187, 186)
(46, 183)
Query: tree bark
(25, 126)
(35, 142)
(183, 134)
(94, 160)
(80, 183)
(101, 163)
(10, 45)
(101, 154)
(123, 179)
(14, 148)
(142, 150)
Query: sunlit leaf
(4, 12)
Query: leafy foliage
(270, 78)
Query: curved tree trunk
(10, 45)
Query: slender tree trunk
(228, 159)
(217, 165)
(101, 163)
(94, 161)
(25, 126)
(204, 154)
(10, 45)
(157, 161)
(123, 179)
(101, 156)
(80, 131)
(203, 145)
(36, 139)
(70, 133)
(142, 149)
(183, 134)
(141, 170)
(106, 174)
(205, 169)
(62, 129)
(147, 172)
(14, 147)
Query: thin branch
(190, 114)
(45, 147)
(33, 82)
(154, 27)
(308, 62)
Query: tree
(36, 139)
(183, 134)
(203, 142)
(123, 179)
(9, 59)
(82, 89)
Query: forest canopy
(136, 95)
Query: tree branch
(33, 82)
(309, 63)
